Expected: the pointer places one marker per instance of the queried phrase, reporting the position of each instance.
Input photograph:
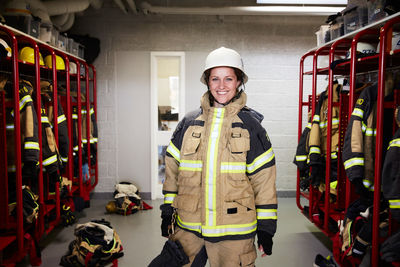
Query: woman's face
(223, 83)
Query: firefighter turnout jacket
(391, 173)
(220, 173)
(360, 137)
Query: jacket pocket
(239, 141)
(248, 259)
(191, 145)
(188, 203)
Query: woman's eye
(229, 79)
(214, 79)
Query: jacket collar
(232, 108)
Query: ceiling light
(311, 10)
(303, 2)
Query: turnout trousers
(228, 253)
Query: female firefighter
(220, 173)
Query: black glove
(391, 247)
(265, 240)
(166, 215)
(67, 216)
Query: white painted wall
(271, 47)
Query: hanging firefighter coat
(359, 142)
(391, 173)
(318, 137)
(220, 173)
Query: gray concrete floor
(296, 242)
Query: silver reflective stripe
(264, 158)
(191, 165)
(353, 161)
(358, 112)
(95, 139)
(83, 111)
(169, 198)
(12, 168)
(368, 184)
(308, 125)
(84, 141)
(50, 160)
(24, 100)
(75, 116)
(61, 118)
(325, 123)
(10, 127)
(333, 155)
(394, 203)
(316, 118)
(301, 158)
(31, 145)
(314, 149)
(211, 169)
(45, 119)
(91, 111)
(267, 214)
(76, 148)
(92, 141)
(223, 230)
(64, 159)
(174, 151)
(190, 226)
(233, 167)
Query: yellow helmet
(59, 62)
(27, 54)
(111, 207)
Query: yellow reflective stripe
(316, 118)
(367, 184)
(83, 111)
(211, 169)
(301, 158)
(191, 165)
(230, 229)
(10, 127)
(23, 101)
(64, 159)
(44, 119)
(190, 226)
(31, 145)
(169, 198)
(325, 123)
(233, 167)
(308, 125)
(61, 118)
(12, 168)
(394, 203)
(94, 140)
(333, 184)
(50, 160)
(358, 112)
(84, 141)
(113, 247)
(394, 142)
(334, 155)
(261, 160)
(91, 111)
(75, 116)
(315, 150)
(267, 214)
(75, 148)
(353, 162)
(174, 151)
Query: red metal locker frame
(94, 86)
(385, 39)
(15, 37)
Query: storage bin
(62, 42)
(81, 51)
(323, 35)
(45, 33)
(355, 18)
(26, 24)
(54, 37)
(376, 10)
(336, 28)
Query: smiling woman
(219, 190)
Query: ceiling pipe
(60, 7)
(60, 19)
(242, 10)
(132, 5)
(68, 24)
(121, 6)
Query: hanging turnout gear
(96, 244)
(391, 172)
(318, 140)
(29, 204)
(359, 142)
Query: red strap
(88, 257)
(146, 206)
(114, 263)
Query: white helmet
(223, 57)
(364, 48)
(395, 42)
